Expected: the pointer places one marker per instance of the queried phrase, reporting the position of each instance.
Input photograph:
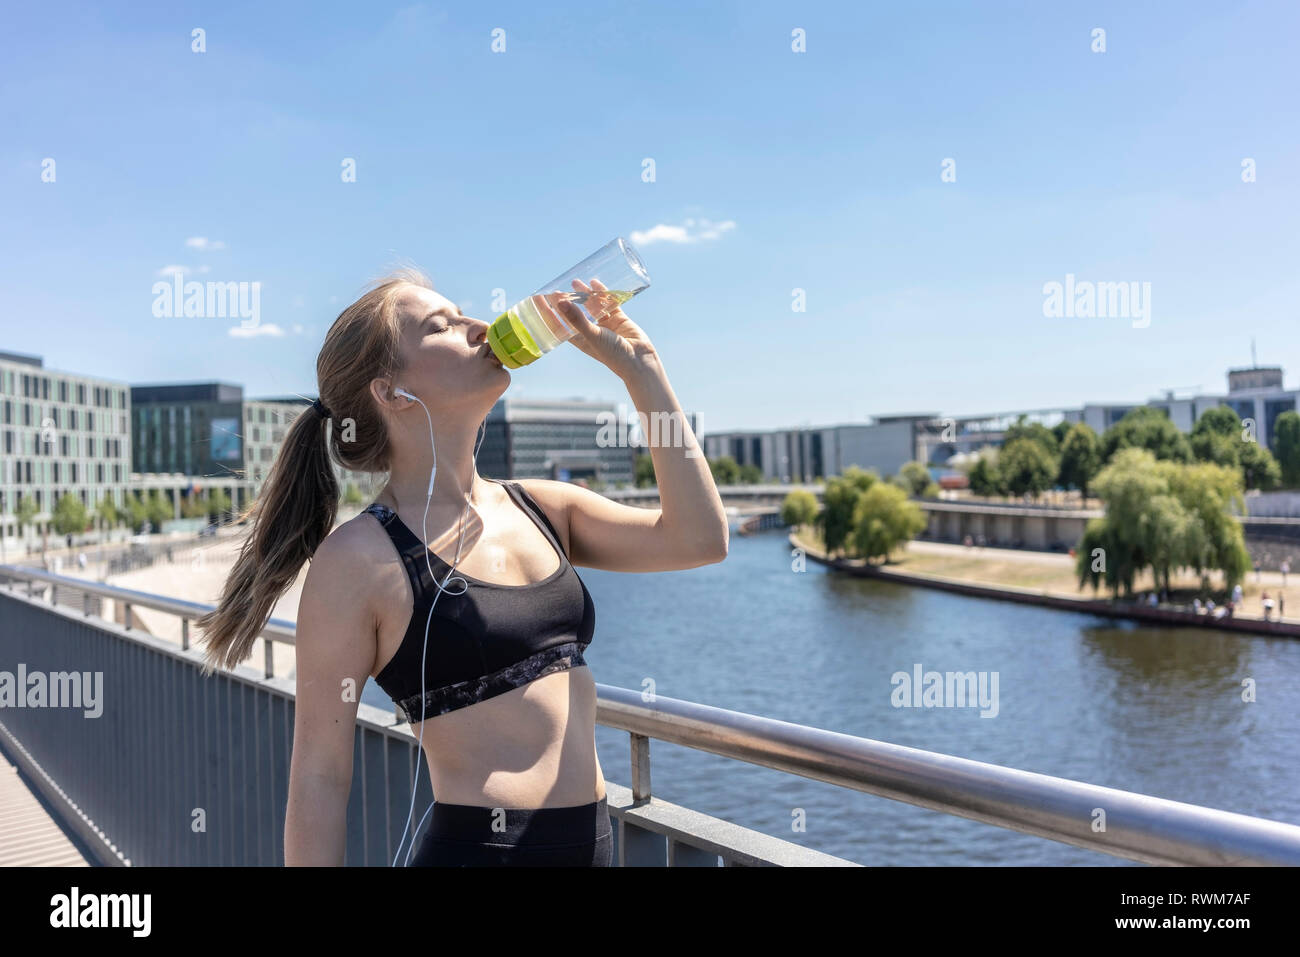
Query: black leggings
(466, 835)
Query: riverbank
(1048, 580)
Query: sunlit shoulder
(349, 553)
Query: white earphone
(424, 533)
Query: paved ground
(29, 837)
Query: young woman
(461, 600)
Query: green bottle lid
(511, 342)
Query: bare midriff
(532, 747)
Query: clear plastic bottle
(534, 326)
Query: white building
(63, 433)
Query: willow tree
(1163, 516)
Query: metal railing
(178, 747)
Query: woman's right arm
(335, 650)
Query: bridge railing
(182, 769)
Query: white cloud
(202, 242)
(297, 329)
(262, 329)
(690, 231)
(174, 271)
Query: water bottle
(534, 326)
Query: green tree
(725, 470)
(750, 475)
(137, 512)
(1080, 458)
(1217, 449)
(158, 509)
(25, 513)
(1212, 493)
(1167, 526)
(1097, 559)
(799, 508)
(985, 478)
(645, 471)
(1286, 440)
(1220, 420)
(106, 510)
(193, 506)
(884, 519)
(1035, 431)
(1164, 516)
(1258, 467)
(219, 504)
(1061, 430)
(69, 515)
(839, 499)
(1115, 548)
(1218, 437)
(1147, 428)
(914, 479)
(1027, 467)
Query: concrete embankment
(1028, 596)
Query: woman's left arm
(689, 528)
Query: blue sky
(818, 171)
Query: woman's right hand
(613, 339)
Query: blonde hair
(297, 506)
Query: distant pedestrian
(1152, 600)
(81, 559)
(1236, 593)
(1257, 567)
(1196, 606)
(1232, 606)
(1281, 605)
(1286, 567)
(1268, 606)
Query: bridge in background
(1000, 524)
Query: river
(1157, 711)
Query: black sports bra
(485, 638)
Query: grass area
(1047, 572)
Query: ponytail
(299, 502)
(291, 517)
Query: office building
(562, 439)
(266, 422)
(63, 434)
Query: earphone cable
(424, 529)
